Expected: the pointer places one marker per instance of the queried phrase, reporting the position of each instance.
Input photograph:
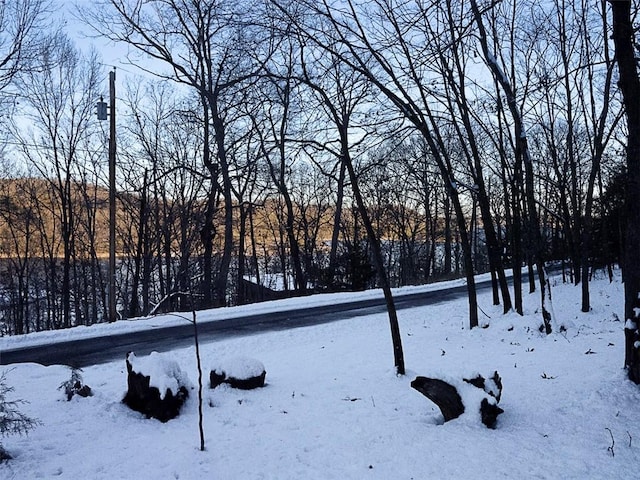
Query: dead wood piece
(489, 413)
(493, 386)
(448, 400)
(445, 396)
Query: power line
(48, 147)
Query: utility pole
(102, 115)
(112, 196)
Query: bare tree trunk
(254, 249)
(240, 297)
(599, 142)
(453, 71)
(337, 221)
(448, 240)
(623, 38)
(396, 338)
(207, 230)
(227, 247)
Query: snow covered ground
(334, 409)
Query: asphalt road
(92, 351)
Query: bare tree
(164, 208)
(456, 91)
(21, 25)
(521, 151)
(248, 191)
(206, 47)
(61, 96)
(18, 245)
(312, 199)
(280, 109)
(340, 95)
(601, 115)
(577, 115)
(624, 41)
(375, 39)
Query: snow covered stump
(157, 387)
(242, 373)
(446, 395)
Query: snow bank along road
(92, 351)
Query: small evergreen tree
(75, 385)
(12, 421)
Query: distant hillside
(35, 209)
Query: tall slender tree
(340, 95)
(629, 81)
(521, 151)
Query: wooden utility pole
(112, 196)
(102, 115)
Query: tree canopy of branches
(291, 147)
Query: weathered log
(445, 396)
(450, 403)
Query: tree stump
(450, 403)
(241, 373)
(142, 394)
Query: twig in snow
(613, 443)
(485, 314)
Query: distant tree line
(332, 145)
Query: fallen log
(450, 403)
(444, 395)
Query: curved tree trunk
(398, 354)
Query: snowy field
(334, 409)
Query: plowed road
(92, 351)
